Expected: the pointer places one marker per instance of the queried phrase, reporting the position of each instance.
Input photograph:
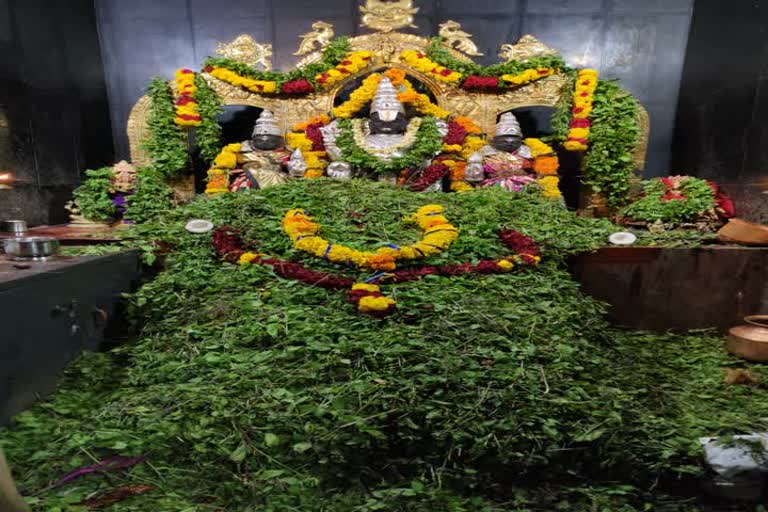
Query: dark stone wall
(54, 114)
(722, 133)
(642, 43)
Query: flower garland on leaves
(528, 76)
(359, 97)
(427, 143)
(545, 164)
(186, 105)
(422, 63)
(229, 245)
(296, 82)
(673, 199)
(439, 55)
(353, 63)
(250, 84)
(309, 140)
(583, 97)
(218, 175)
(370, 301)
(438, 235)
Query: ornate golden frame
(483, 108)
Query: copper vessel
(750, 341)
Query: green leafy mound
(494, 393)
(92, 196)
(696, 197)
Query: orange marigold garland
(583, 96)
(187, 113)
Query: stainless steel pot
(33, 247)
(17, 227)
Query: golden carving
(138, 130)
(387, 16)
(246, 50)
(526, 48)
(642, 144)
(319, 38)
(457, 38)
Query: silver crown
(386, 98)
(266, 125)
(508, 125)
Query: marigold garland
(545, 164)
(438, 235)
(218, 175)
(528, 76)
(187, 113)
(367, 296)
(422, 63)
(354, 62)
(232, 78)
(583, 96)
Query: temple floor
(247, 391)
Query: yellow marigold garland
(218, 175)
(421, 62)
(187, 113)
(232, 78)
(529, 75)
(583, 96)
(438, 235)
(352, 63)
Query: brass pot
(750, 341)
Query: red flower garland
(297, 87)
(314, 134)
(456, 134)
(518, 243)
(481, 83)
(431, 175)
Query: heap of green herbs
(483, 393)
(698, 198)
(92, 196)
(333, 54)
(428, 142)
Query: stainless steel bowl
(17, 227)
(33, 247)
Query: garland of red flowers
(430, 176)
(297, 87)
(480, 83)
(229, 245)
(456, 134)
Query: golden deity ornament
(387, 16)
(457, 38)
(527, 47)
(245, 49)
(321, 35)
